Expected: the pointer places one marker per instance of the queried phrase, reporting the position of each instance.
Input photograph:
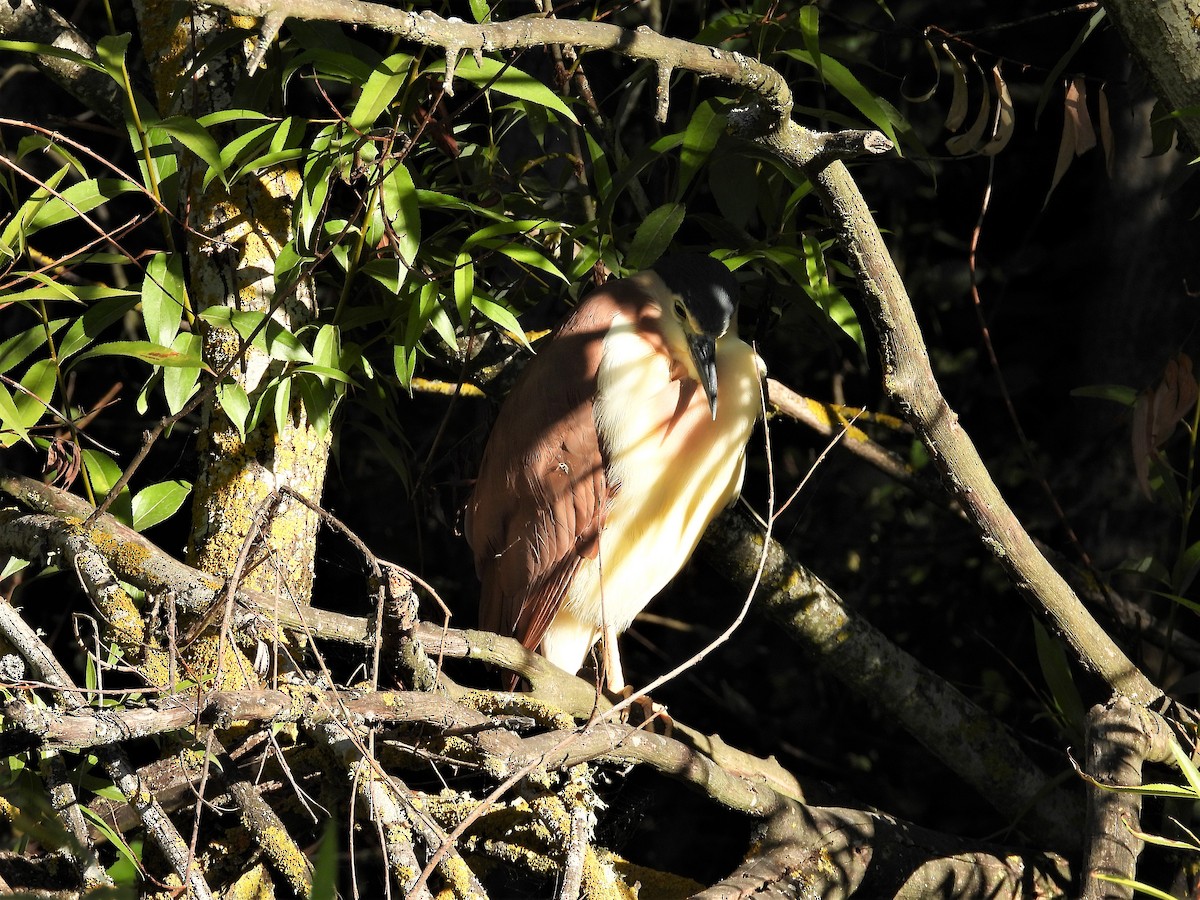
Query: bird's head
(701, 299)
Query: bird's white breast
(675, 468)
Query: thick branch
(952, 728)
(457, 37)
(1121, 737)
(28, 20)
(910, 381)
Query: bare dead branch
(1121, 737)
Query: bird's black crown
(707, 288)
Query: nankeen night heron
(622, 439)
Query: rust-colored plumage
(604, 466)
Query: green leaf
(319, 402)
(158, 502)
(1057, 672)
(325, 867)
(1117, 393)
(146, 351)
(464, 286)
(502, 317)
(503, 78)
(841, 80)
(380, 90)
(40, 381)
(236, 405)
(654, 236)
(163, 297)
(810, 23)
(88, 327)
(36, 49)
(1136, 885)
(11, 429)
(193, 135)
(703, 132)
(398, 196)
(80, 198)
(179, 382)
(273, 339)
(20, 347)
(103, 472)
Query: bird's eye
(681, 310)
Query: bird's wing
(542, 495)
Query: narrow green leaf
(273, 339)
(1057, 672)
(330, 372)
(398, 195)
(146, 351)
(40, 381)
(193, 135)
(502, 317)
(20, 347)
(12, 565)
(163, 293)
(78, 198)
(654, 236)
(380, 90)
(35, 49)
(486, 72)
(235, 404)
(325, 867)
(158, 502)
(103, 472)
(1117, 393)
(843, 81)
(810, 24)
(89, 326)
(283, 404)
(319, 402)
(11, 429)
(464, 286)
(179, 382)
(701, 136)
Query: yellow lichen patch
(283, 852)
(651, 884)
(600, 878)
(206, 655)
(491, 704)
(124, 556)
(255, 884)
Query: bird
(621, 440)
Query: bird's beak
(703, 348)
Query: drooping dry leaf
(970, 139)
(1006, 120)
(1074, 141)
(1076, 105)
(1157, 412)
(958, 100)
(1106, 134)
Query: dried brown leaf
(1006, 120)
(1076, 105)
(1106, 133)
(964, 143)
(958, 100)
